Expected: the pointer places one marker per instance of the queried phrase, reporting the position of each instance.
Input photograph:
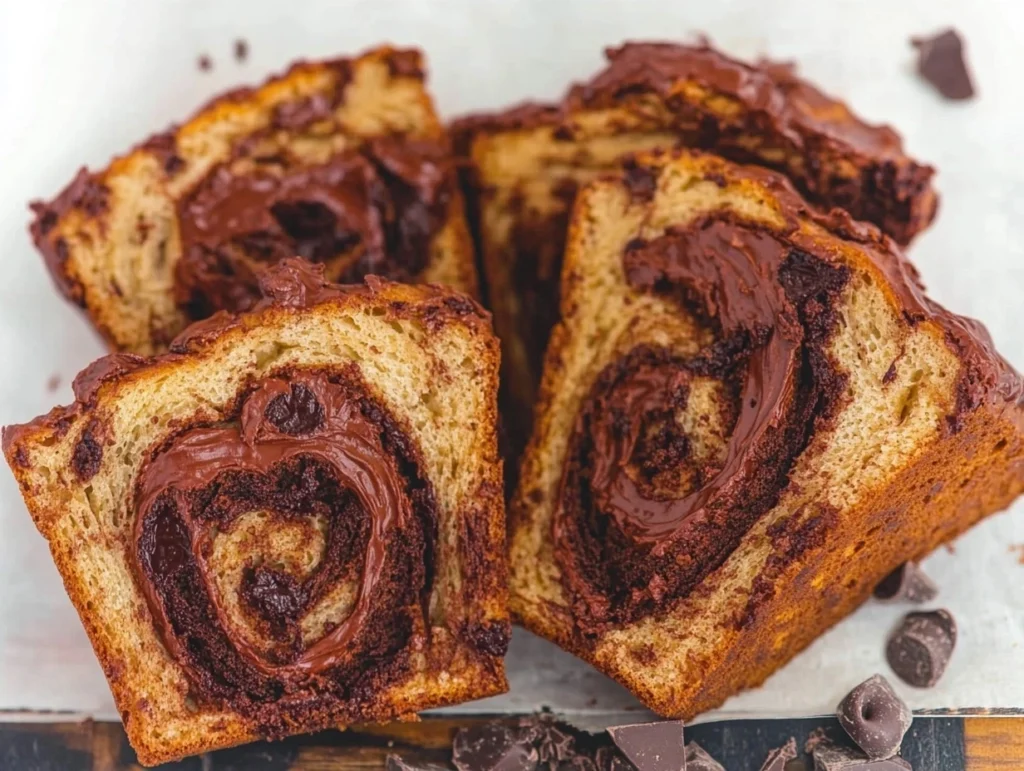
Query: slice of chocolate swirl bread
(750, 414)
(528, 161)
(291, 522)
(342, 162)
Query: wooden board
(933, 744)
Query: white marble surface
(80, 81)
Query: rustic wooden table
(933, 744)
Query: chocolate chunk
(829, 757)
(697, 759)
(777, 758)
(651, 746)
(297, 412)
(610, 759)
(395, 763)
(940, 61)
(907, 583)
(920, 648)
(493, 747)
(553, 744)
(576, 763)
(875, 717)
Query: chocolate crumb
(241, 50)
(88, 453)
(907, 583)
(205, 63)
(53, 382)
(940, 61)
(920, 648)
(777, 758)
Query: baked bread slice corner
(376, 518)
(342, 161)
(750, 414)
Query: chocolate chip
(492, 747)
(875, 717)
(777, 758)
(651, 746)
(907, 583)
(920, 648)
(940, 61)
(295, 413)
(832, 758)
(395, 763)
(697, 759)
(88, 453)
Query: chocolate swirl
(674, 457)
(314, 454)
(372, 210)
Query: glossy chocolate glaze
(305, 444)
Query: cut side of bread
(343, 162)
(750, 414)
(293, 521)
(528, 161)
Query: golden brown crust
(114, 242)
(425, 355)
(903, 451)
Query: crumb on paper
(53, 383)
(241, 50)
(205, 63)
(1018, 549)
(949, 547)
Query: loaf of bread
(292, 521)
(342, 162)
(750, 414)
(528, 161)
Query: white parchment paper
(81, 81)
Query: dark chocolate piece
(875, 717)
(777, 758)
(829, 757)
(920, 648)
(697, 759)
(610, 759)
(940, 61)
(651, 746)
(395, 763)
(907, 583)
(493, 747)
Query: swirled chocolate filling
(370, 210)
(642, 517)
(306, 448)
